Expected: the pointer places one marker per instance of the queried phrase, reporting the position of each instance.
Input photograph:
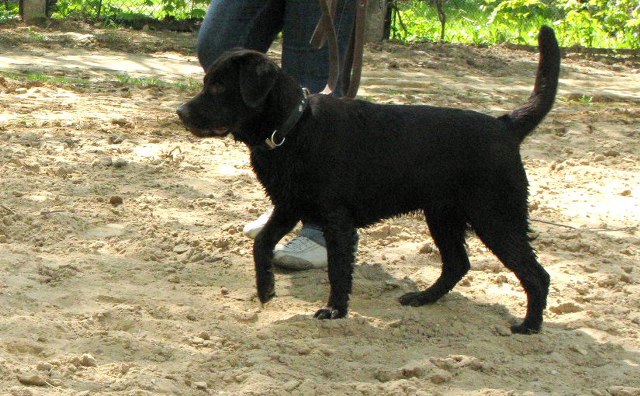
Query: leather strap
(326, 32)
(353, 63)
(279, 135)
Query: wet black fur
(350, 163)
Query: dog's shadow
(369, 279)
(376, 291)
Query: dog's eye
(216, 89)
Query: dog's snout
(183, 112)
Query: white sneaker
(300, 253)
(252, 229)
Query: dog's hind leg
(341, 239)
(503, 229)
(447, 229)
(279, 224)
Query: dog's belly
(370, 204)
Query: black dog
(345, 164)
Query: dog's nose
(183, 112)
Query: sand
(124, 271)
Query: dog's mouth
(197, 127)
(212, 132)
(220, 131)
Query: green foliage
(418, 20)
(517, 17)
(8, 12)
(602, 22)
(177, 8)
(590, 23)
(131, 12)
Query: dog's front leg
(279, 224)
(341, 239)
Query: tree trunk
(33, 11)
(376, 13)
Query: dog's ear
(257, 77)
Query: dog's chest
(280, 175)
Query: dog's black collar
(291, 121)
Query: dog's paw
(330, 313)
(266, 289)
(266, 296)
(417, 299)
(524, 329)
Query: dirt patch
(123, 269)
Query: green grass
(36, 76)
(147, 82)
(123, 79)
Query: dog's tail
(524, 119)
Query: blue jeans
(255, 24)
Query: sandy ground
(155, 295)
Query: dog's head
(235, 90)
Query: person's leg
(300, 59)
(252, 24)
(310, 67)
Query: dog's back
(391, 159)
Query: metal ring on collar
(271, 143)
